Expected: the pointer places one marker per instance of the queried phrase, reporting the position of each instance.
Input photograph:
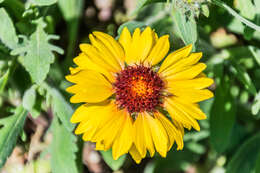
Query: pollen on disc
(138, 88)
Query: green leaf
(113, 164)
(186, 27)
(256, 53)
(244, 77)
(131, 25)
(222, 116)
(1, 1)
(29, 98)
(141, 3)
(7, 31)
(71, 11)
(12, 127)
(38, 53)
(205, 10)
(245, 158)
(43, 2)
(246, 8)
(3, 80)
(63, 149)
(61, 108)
(257, 167)
(256, 105)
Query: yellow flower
(126, 95)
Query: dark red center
(138, 89)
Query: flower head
(126, 93)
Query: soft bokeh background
(34, 109)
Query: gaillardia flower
(131, 103)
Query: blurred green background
(39, 39)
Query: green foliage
(61, 108)
(7, 31)
(245, 158)
(222, 116)
(113, 164)
(38, 53)
(12, 127)
(186, 27)
(63, 149)
(32, 70)
(131, 25)
(141, 3)
(43, 2)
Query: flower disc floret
(138, 89)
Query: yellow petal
(197, 83)
(146, 43)
(135, 154)
(180, 115)
(100, 146)
(124, 140)
(112, 45)
(139, 135)
(191, 95)
(90, 87)
(147, 135)
(175, 57)
(108, 132)
(85, 62)
(159, 50)
(134, 49)
(159, 135)
(173, 133)
(182, 64)
(189, 73)
(85, 111)
(105, 52)
(190, 108)
(98, 58)
(125, 39)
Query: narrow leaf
(245, 158)
(43, 2)
(113, 164)
(7, 31)
(12, 127)
(256, 105)
(244, 77)
(63, 148)
(257, 165)
(222, 117)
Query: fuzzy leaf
(131, 25)
(38, 53)
(63, 149)
(61, 108)
(12, 127)
(245, 158)
(7, 31)
(113, 164)
(186, 27)
(29, 98)
(141, 3)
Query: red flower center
(138, 88)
